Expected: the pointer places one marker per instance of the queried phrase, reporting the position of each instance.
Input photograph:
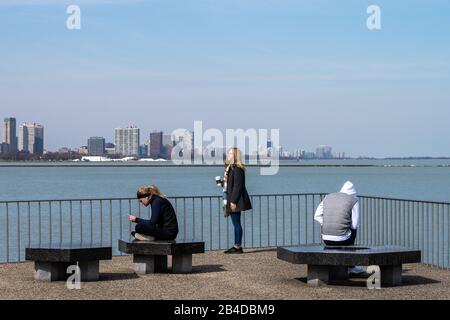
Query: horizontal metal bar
(169, 197)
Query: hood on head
(349, 189)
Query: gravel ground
(258, 274)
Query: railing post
(60, 223)
(291, 218)
(210, 225)
(81, 222)
(18, 231)
(201, 202)
(110, 223)
(7, 232)
(260, 222)
(29, 224)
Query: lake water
(274, 221)
(409, 179)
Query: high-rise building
(147, 145)
(31, 138)
(168, 142)
(127, 141)
(143, 150)
(3, 148)
(23, 138)
(10, 134)
(110, 148)
(156, 145)
(324, 152)
(186, 141)
(96, 146)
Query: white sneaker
(356, 270)
(143, 237)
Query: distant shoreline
(293, 164)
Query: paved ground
(257, 274)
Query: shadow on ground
(260, 250)
(361, 282)
(117, 276)
(208, 268)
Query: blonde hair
(151, 190)
(237, 158)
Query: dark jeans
(349, 242)
(236, 219)
(158, 233)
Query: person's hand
(233, 206)
(132, 218)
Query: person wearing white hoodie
(338, 215)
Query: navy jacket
(163, 215)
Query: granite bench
(52, 260)
(151, 256)
(327, 263)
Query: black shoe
(234, 250)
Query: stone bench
(52, 260)
(326, 264)
(151, 256)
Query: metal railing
(276, 219)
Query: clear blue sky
(310, 68)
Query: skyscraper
(36, 139)
(167, 145)
(10, 134)
(23, 138)
(31, 138)
(127, 141)
(3, 148)
(324, 152)
(156, 145)
(96, 146)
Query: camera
(219, 181)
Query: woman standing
(163, 224)
(237, 196)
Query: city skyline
(30, 139)
(320, 76)
(127, 142)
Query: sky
(309, 68)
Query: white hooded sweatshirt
(349, 189)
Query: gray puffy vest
(337, 213)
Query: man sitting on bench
(338, 215)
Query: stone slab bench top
(66, 252)
(349, 255)
(174, 247)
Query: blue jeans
(236, 219)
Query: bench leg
(145, 264)
(338, 273)
(49, 271)
(318, 275)
(89, 270)
(182, 263)
(391, 275)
